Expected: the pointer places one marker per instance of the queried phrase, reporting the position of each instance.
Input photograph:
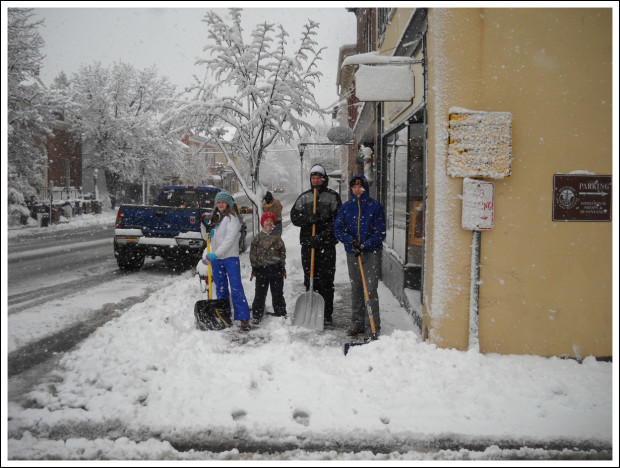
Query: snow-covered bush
(18, 212)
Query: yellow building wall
(546, 287)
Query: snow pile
(65, 224)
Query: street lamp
(219, 167)
(302, 148)
(143, 183)
(95, 174)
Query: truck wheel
(129, 260)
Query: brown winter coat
(267, 249)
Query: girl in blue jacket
(360, 226)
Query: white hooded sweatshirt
(224, 238)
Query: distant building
(206, 164)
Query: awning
(375, 58)
(364, 129)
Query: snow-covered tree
(29, 107)
(256, 87)
(119, 110)
(61, 81)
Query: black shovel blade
(212, 314)
(359, 343)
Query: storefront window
(404, 206)
(416, 194)
(396, 203)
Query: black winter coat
(327, 205)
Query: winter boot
(354, 332)
(245, 326)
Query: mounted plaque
(579, 197)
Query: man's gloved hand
(284, 272)
(357, 247)
(314, 242)
(314, 218)
(253, 275)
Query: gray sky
(172, 38)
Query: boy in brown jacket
(268, 260)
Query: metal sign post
(479, 145)
(478, 214)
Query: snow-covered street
(148, 385)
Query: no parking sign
(478, 204)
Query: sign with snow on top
(479, 144)
(478, 204)
(385, 83)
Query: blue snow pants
(225, 271)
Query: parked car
(170, 228)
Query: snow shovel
(310, 306)
(213, 314)
(373, 336)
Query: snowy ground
(150, 386)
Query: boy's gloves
(253, 275)
(357, 247)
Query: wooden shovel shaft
(367, 297)
(209, 265)
(312, 251)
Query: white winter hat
(318, 169)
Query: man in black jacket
(324, 242)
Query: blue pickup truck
(170, 228)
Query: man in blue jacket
(360, 226)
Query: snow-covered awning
(375, 58)
(364, 126)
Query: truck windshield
(187, 198)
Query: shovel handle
(313, 234)
(209, 265)
(367, 297)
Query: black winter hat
(268, 197)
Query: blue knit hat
(224, 197)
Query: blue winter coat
(361, 218)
